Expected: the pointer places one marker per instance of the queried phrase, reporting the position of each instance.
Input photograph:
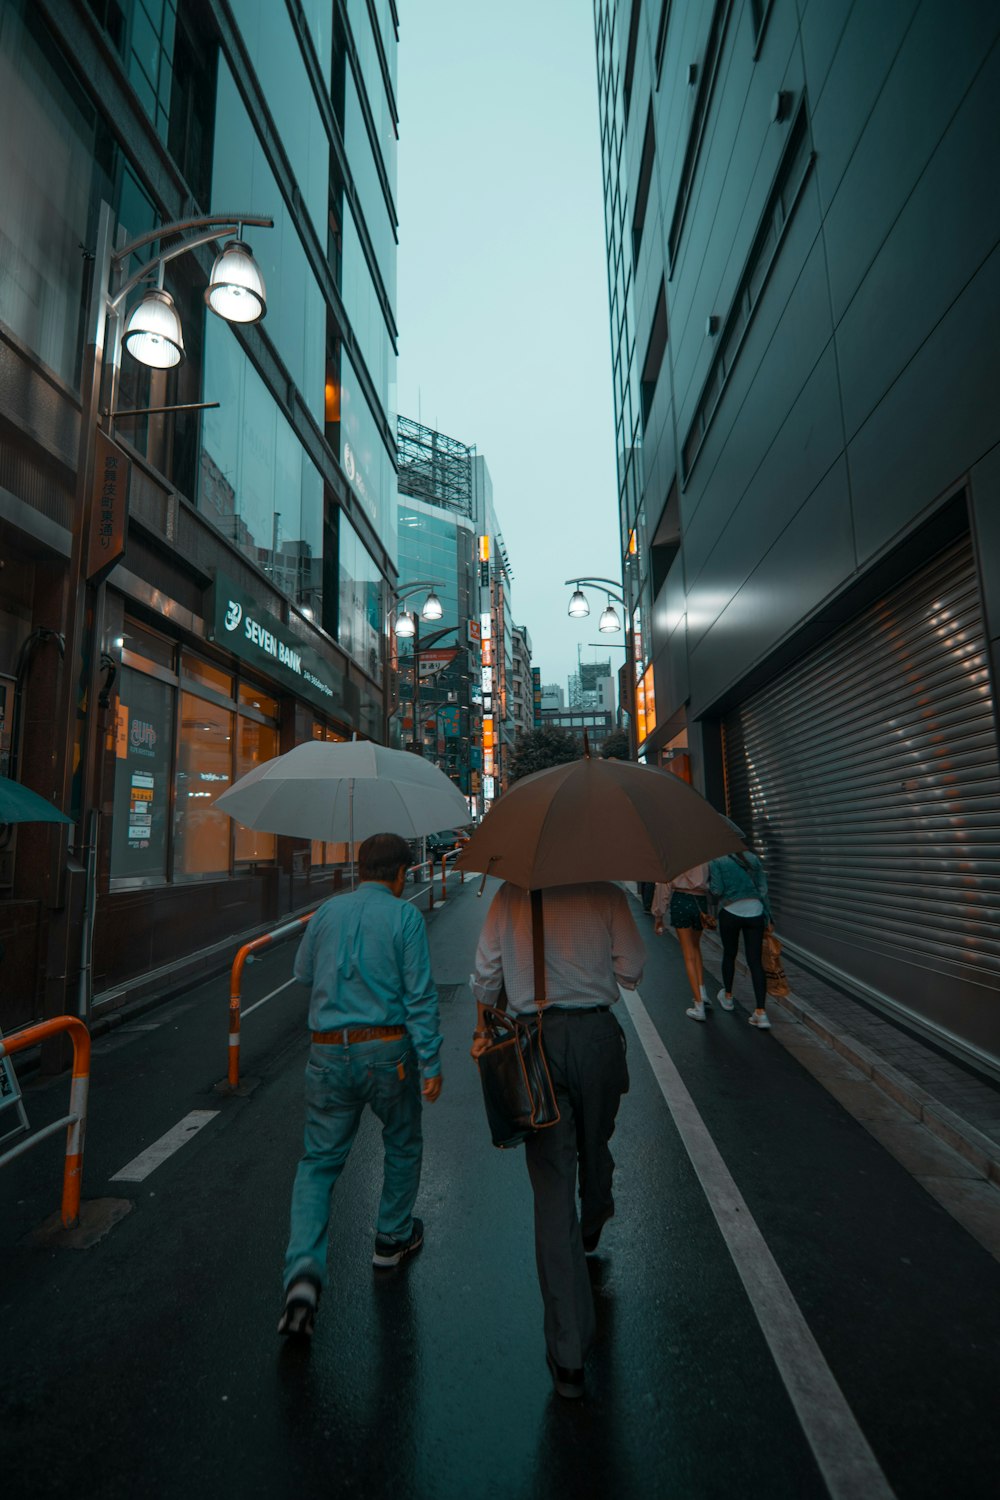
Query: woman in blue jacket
(740, 886)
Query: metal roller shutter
(867, 778)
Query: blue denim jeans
(340, 1081)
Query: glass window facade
(364, 311)
(204, 771)
(257, 483)
(364, 457)
(255, 744)
(374, 83)
(296, 308)
(360, 156)
(280, 66)
(169, 778)
(46, 213)
(319, 15)
(360, 601)
(428, 549)
(143, 755)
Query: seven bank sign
(260, 636)
(239, 624)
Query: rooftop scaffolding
(434, 467)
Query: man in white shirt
(592, 946)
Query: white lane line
(258, 1003)
(147, 1161)
(841, 1450)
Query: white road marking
(258, 1003)
(841, 1450)
(147, 1161)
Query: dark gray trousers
(586, 1056)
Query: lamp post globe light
(579, 607)
(609, 622)
(151, 333)
(407, 628)
(235, 288)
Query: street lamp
(579, 607)
(152, 335)
(236, 288)
(407, 628)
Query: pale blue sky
(502, 298)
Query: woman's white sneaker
(696, 1012)
(726, 1001)
(759, 1019)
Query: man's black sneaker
(298, 1316)
(568, 1383)
(389, 1252)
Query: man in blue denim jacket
(373, 1013)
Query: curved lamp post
(408, 629)
(579, 607)
(151, 334)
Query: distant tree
(616, 746)
(541, 748)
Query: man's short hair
(381, 856)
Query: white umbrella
(342, 792)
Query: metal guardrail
(244, 954)
(76, 1120)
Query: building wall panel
(807, 563)
(906, 456)
(947, 228)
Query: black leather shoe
(568, 1383)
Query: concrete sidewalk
(891, 1081)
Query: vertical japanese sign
(108, 508)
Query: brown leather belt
(359, 1034)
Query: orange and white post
(75, 1121)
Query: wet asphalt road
(148, 1364)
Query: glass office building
(264, 497)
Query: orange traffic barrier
(453, 855)
(287, 929)
(428, 865)
(76, 1120)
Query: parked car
(445, 841)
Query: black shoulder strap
(538, 947)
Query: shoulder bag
(518, 1091)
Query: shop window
(204, 771)
(327, 854)
(255, 744)
(209, 676)
(255, 697)
(143, 739)
(142, 645)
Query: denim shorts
(686, 909)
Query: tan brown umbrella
(597, 820)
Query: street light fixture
(609, 622)
(153, 332)
(236, 287)
(406, 626)
(579, 607)
(433, 608)
(152, 335)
